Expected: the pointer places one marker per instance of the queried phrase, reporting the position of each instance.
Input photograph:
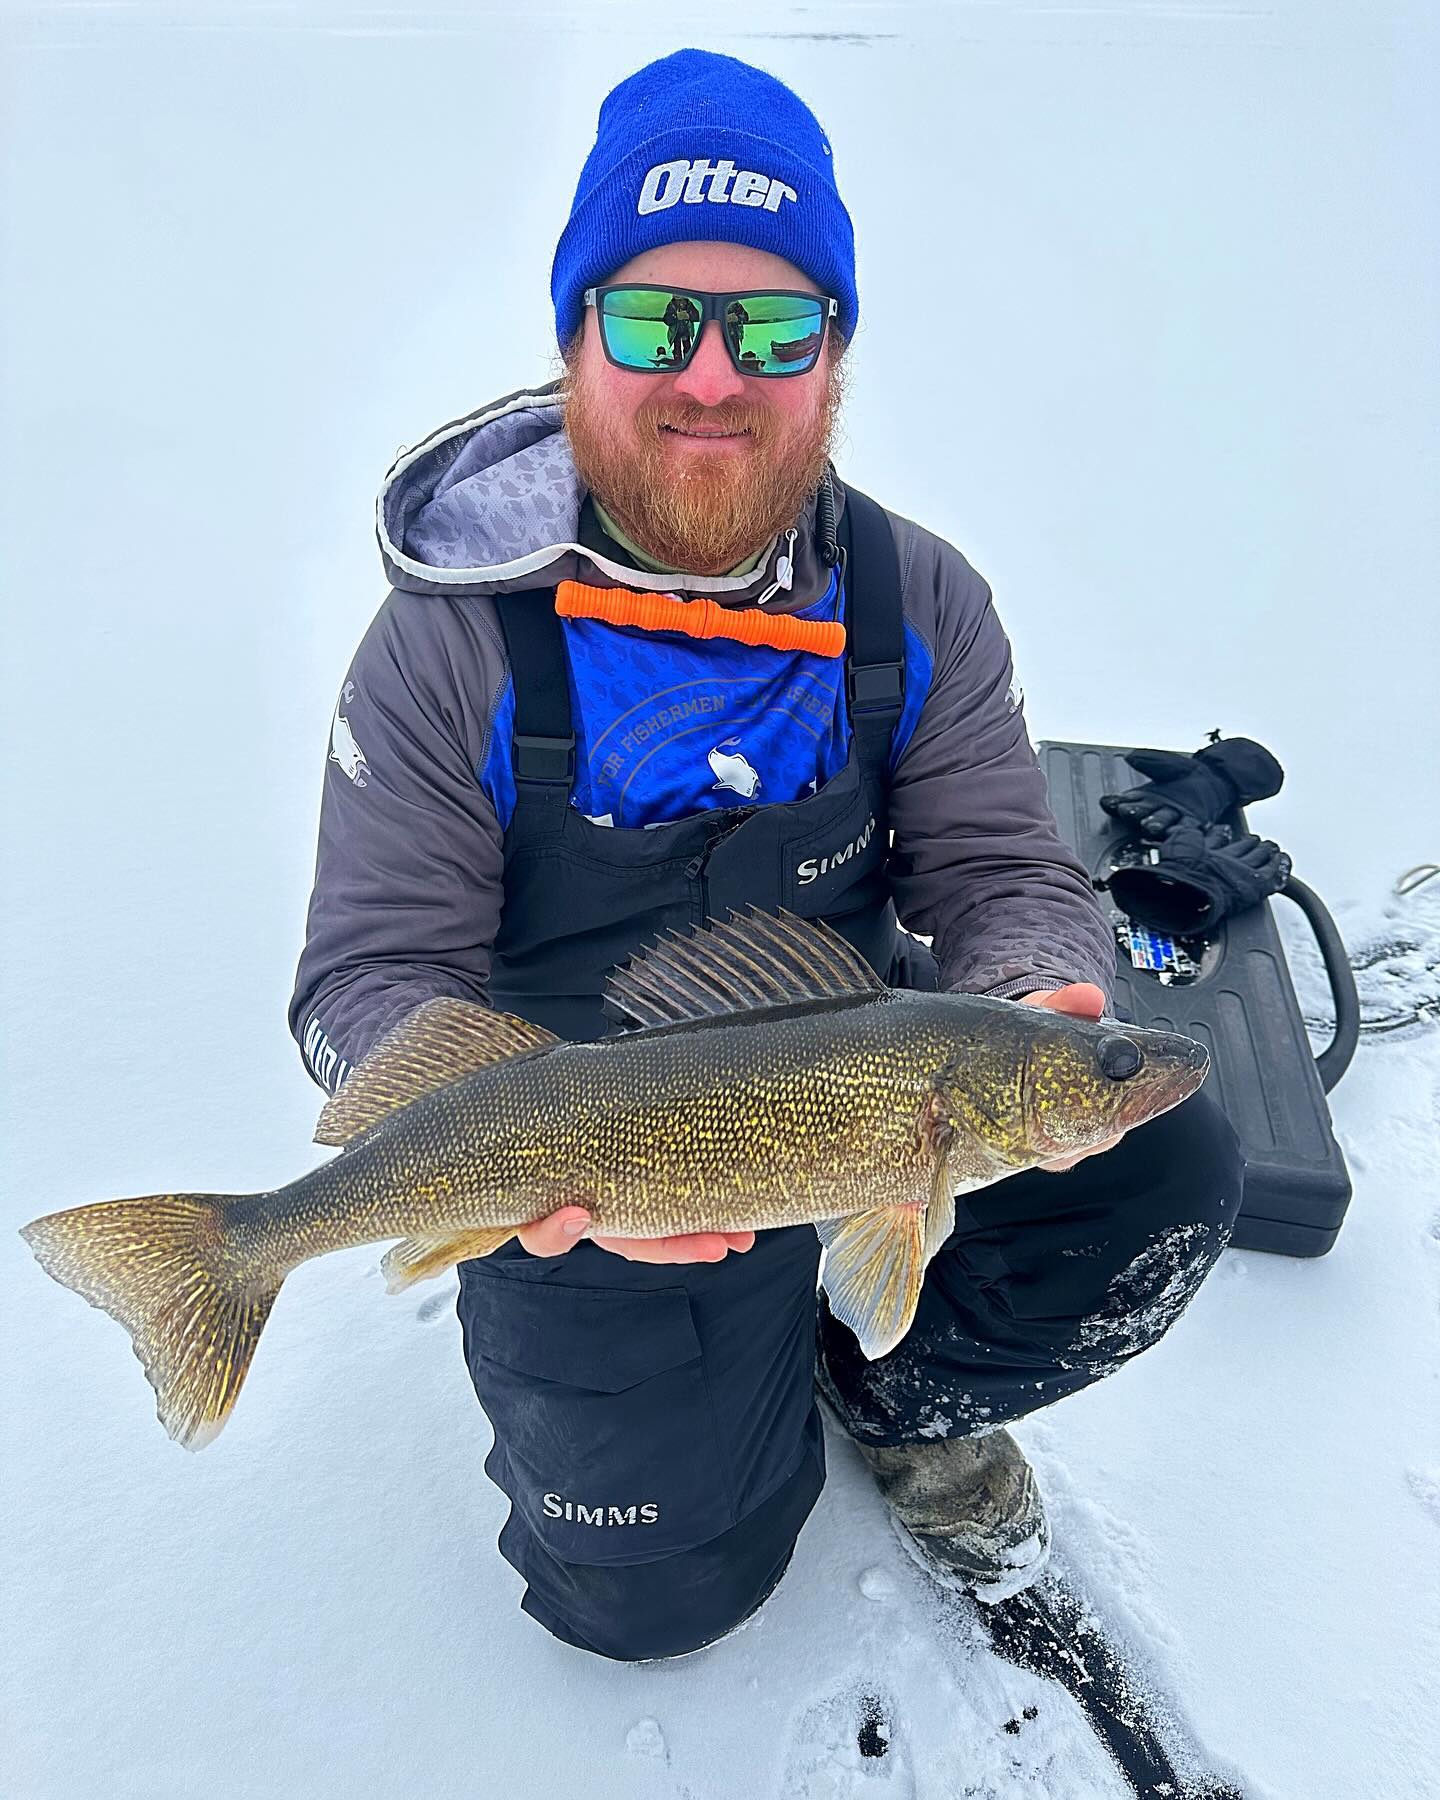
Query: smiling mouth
(679, 431)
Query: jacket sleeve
(406, 901)
(977, 859)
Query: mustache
(703, 419)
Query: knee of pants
(1126, 1240)
(636, 1612)
(1195, 1146)
(643, 1623)
(1193, 1198)
(644, 1417)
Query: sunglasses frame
(711, 307)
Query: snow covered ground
(1147, 300)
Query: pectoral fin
(874, 1264)
(418, 1258)
(940, 1212)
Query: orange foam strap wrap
(699, 618)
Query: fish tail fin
(167, 1269)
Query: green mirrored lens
(775, 334)
(646, 330)
(772, 334)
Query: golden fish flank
(769, 1079)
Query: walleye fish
(771, 1080)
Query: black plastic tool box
(1232, 992)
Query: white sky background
(1148, 301)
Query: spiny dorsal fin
(757, 959)
(441, 1041)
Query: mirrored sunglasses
(773, 331)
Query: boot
(968, 1510)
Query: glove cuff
(1177, 907)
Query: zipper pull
(784, 570)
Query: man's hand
(561, 1231)
(1082, 1000)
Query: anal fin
(874, 1264)
(419, 1258)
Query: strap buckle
(544, 759)
(877, 687)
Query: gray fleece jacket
(408, 880)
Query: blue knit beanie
(704, 147)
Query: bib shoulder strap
(875, 621)
(544, 742)
(542, 753)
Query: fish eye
(1119, 1057)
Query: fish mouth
(1175, 1067)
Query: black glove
(1199, 789)
(1200, 874)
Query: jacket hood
(491, 502)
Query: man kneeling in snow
(523, 801)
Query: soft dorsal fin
(441, 1041)
(757, 959)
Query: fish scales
(727, 1125)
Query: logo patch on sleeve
(343, 748)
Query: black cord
(829, 548)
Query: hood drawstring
(831, 551)
(784, 569)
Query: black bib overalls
(655, 1428)
(654, 1424)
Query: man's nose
(710, 376)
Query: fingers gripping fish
(769, 1079)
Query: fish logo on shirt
(344, 750)
(731, 770)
